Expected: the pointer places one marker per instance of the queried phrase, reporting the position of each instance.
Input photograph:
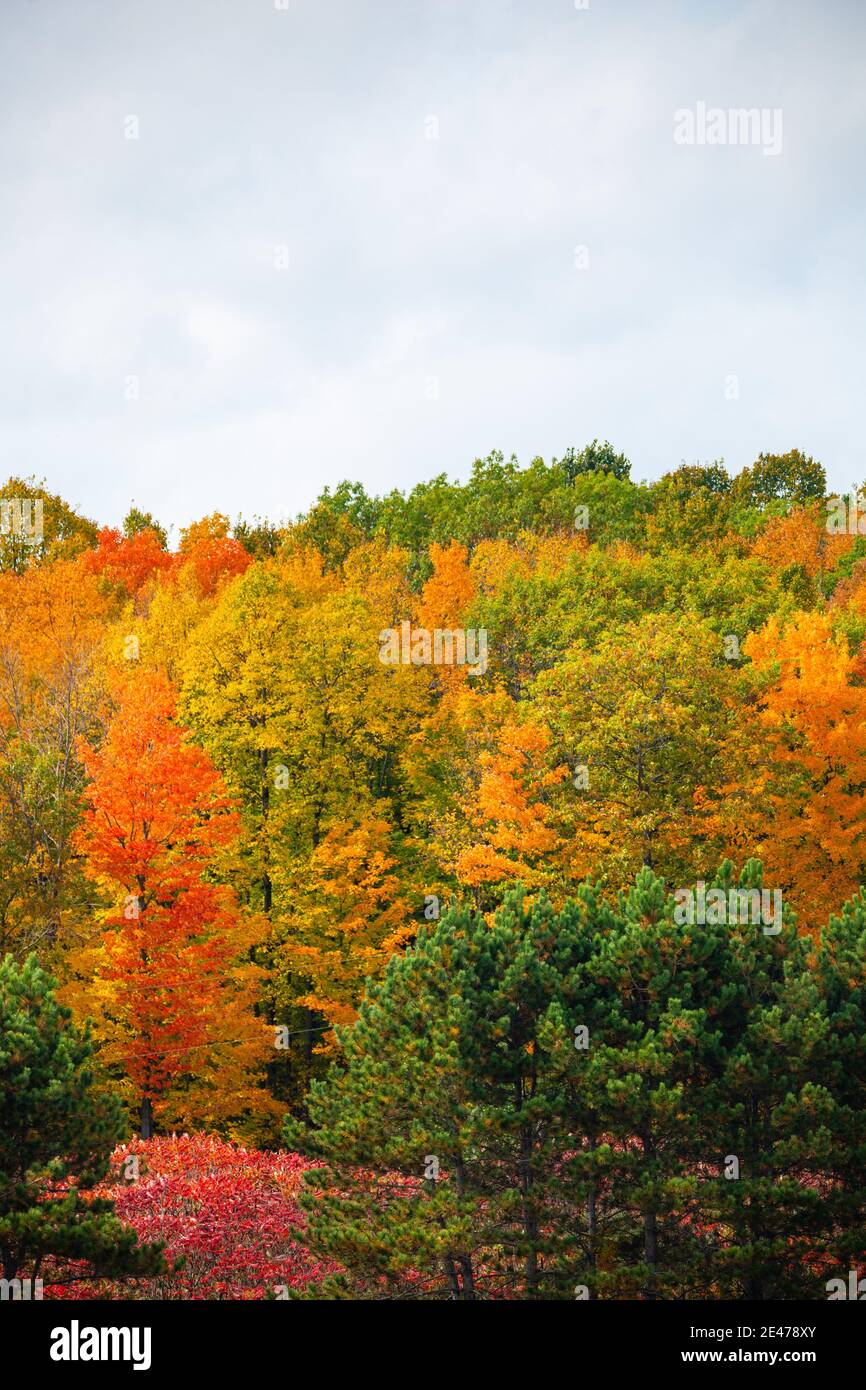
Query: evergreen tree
(56, 1138)
(620, 1100)
(446, 1133)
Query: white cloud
(224, 335)
(412, 259)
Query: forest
(455, 894)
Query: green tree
(630, 1099)
(260, 537)
(36, 525)
(792, 477)
(644, 714)
(595, 458)
(723, 1078)
(137, 520)
(445, 1131)
(56, 1138)
(690, 506)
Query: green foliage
(690, 505)
(444, 1067)
(499, 499)
(595, 458)
(56, 1137)
(260, 538)
(137, 520)
(63, 533)
(598, 1159)
(791, 477)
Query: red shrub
(230, 1212)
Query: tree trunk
(464, 1262)
(592, 1209)
(651, 1252)
(753, 1287)
(146, 1118)
(467, 1290)
(451, 1277)
(530, 1217)
(267, 888)
(650, 1229)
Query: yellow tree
(796, 800)
(350, 911)
(510, 814)
(52, 620)
(236, 697)
(285, 687)
(641, 721)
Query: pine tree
(56, 1137)
(622, 1099)
(445, 1137)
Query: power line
(235, 1042)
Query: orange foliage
(173, 1005)
(52, 617)
(510, 813)
(352, 916)
(801, 538)
(495, 562)
(212, 553)
(798, 804)
(449, 590)
(128, 562)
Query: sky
(251, 247)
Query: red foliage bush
(231, 1213)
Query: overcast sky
(345, 242)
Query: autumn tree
(803, 553)
(284, 686)
(128, 562)
(167, 980)
(509, 812)
(639, 720)
(37, 525)
(52, 623)
(214, 554)
(236, 697)
(349, 910)
(799, 765)
(449, 590)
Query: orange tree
(172, 994)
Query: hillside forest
(451, 894)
